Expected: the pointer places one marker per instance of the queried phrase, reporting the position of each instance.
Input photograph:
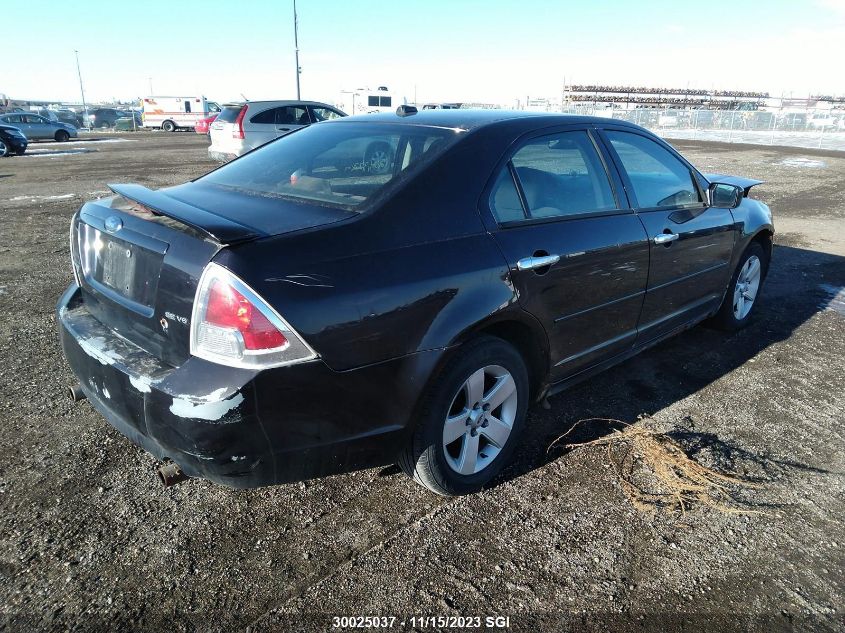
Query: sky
(494, 51)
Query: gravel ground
(90, 540)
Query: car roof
(472, 119)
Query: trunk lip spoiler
(218, 228)
(737, 181)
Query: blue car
(12, 141)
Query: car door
(691, 243)
(290, 118)
(39, 126)
(578, 255)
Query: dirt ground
(89, 540)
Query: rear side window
(339, 164)
(658, 177)
(560, 175)
(229, 114)
(267, 116)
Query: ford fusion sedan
(299, 312)
(241, 127)
(36, 127)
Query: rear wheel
(62, 136)
(105, 125)
(746, 282)
(470, 419)
(168, 126)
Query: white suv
(241, 127)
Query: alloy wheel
(480, 420)
(747, 285)
(379, 161)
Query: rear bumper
(243, 428)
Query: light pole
(296, 44)
(150, 79)
(86, 120)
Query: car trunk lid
(139, 256)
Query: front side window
(560, 175)
(292, 115)
(658, 177)
(339, 164)
(324, 114)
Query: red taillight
(238, 132)
(228, 308)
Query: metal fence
(810, 128)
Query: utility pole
(81, 89)
(296, 44)
(151, 85)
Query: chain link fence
(815, 128)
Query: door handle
(665, 238)
(532, 263)
(283, 129)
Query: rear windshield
(341, 164)
(229, 114)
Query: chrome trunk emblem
(113, 224)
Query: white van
(366, 101)
(173, 113)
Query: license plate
(119, 261)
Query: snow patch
(803, 162)
(835, 300)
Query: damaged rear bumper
(240, 427)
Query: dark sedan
(296, 313)
(12, 141)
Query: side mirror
(723, 196)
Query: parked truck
(174, 113)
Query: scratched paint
(96, 348)
(205, 407)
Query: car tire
(105, 125)
(62, 136)
(377, 158)
(469, 419)
(5, 150)
(168, 126)
(743, 292)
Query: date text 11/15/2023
(421, 622)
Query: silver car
(241, 127)
(36, 127)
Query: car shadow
(798, 286)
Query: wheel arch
(526, 334)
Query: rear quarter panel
(412, 275)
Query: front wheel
(469, 420)
(746, 282)
(5, 150)
(62, 136)
(377, 158)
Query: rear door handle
(283, 129)
(665, 238)
(531, 263)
